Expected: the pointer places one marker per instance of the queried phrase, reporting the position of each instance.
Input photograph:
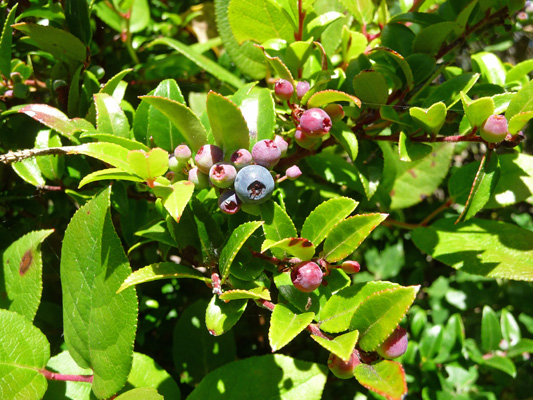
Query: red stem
(448, 139)
(52, 376)
(301, 16)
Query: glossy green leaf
(24, 350)
(449, 92)
(67, 390)
(344, 135)
(149, 165)
(369, 167)
(483, 186)
(195, 350)
(385, 377)
(183, 118)
(342, 346)
(477, 111)
(21, 279)
(510, 329)
(519, 71)
(6, 39)
(221, 316)
(501, 363)
(29, 171)
(235, 242)
(77, 18)
(145, 372)
(324, 97)
(400, 61)
(337, 313)
(430, 39)
(248, 58)
(109, 173)
(353, 44)
(158, 232)
(491, 333)
(371, 88)
(52, 167)
(129, 144)
(431, 119)
(51, 117)
(518, 121)
(285, 325)
(348, 234)
(279, 67)
(109, 116)
(278, 225)
(238, 294)
(202, 61)
(228, 125)
(264, 377)
(323, 219)
(398, 37)
(258, 110)
(422, 66)
(175, 197)
(164, 270)
(141, 394)
(412, 151)
(488, 248)
(58, 42)
(258, 21)
(93, 266)
(490, 67)
(297, 247)
(521, 102)
(380, 313)
(109, 153)
(362, 10)
(316, 26)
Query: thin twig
(15, 156)
(52, 376)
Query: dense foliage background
(416, 80)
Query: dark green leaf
(502, 364)
(77, 17)
(5, 42)
(449, 92)
(430, 39)
(371, 88)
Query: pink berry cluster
(245, 178)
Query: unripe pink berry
(283, 89)
(200, 180)
(395, 345)
(182, 153)
(351, 267)
(207, 156)
(343, 369)
(302, 88)
(335, 111)
(282, 144)
(305, 141)
(306, 276)
(222, 175)
(293, 172)
(315, 122)
(241, 158)
(266, 153)
(494, 129)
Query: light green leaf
(99, 324)
(175, 197)
(324, 97)
(221, 316)
(323, 218)
(385, 377)
(234, 244)
(518, 121)
(63, 363)
(109, 173)
(502, 364)
(109, 116)
(286, 325)
(22, 274)
(279, 67)
(129, 144)
(430, 120)
(344, 135)
(342, 346)
(369, 167)
(490, 67)
(109, 153)
(24, 350)
(278, 225)
(521, 102)
(510, 329)
(238, 294)
(347, 235)
(477, 111)
(362, 10)
(148, 165)
(29, 171)
(380, 313)
(491, 333)
(412, 151)
(519, 71)
(488, 248)
(298, 247)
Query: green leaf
(278, 225)
(323, 218)
(431, 119)
(483, 186)
(145, 372)
(5, 42)
(298, 247)
(399, 60)
(52, 118)
(248, 58)
(264, 377)
(140, 394)
(202, 61)
(77, 17)
(347, 235)
(52, 167)
(316, 26)
(149, 165)
(29, 171)
(57, 42)
(221, 315)
(158, 232)
(385, 377)
(369, 167)
(175, 197)
(109, 116)
(488, 248)
(138, 10)
(479, 110)
(24, 350)
(227, 124)
(129, 144)
(324, 97)
(521, 102)
(337, 313)
(109, 153)
(93, 266)
(344, 135)
(238, 294)
(259, 21)
(342, 346)
(502, 364)
(518, 121)
(63, 363)
(109, 173)
(491, 334)
(380, 313)
(279, 67)
(183, 118)
(412, 151)
(258, 110)
(286, 325)
(430, 39)
(353, 44)
(235, 242)
(362, 10)
(519, 71)
(371, 88)
(164, 270)
(510, 329)
(21, 279)
(449, 92)
(194, 350)
(490, 67)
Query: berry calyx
(254, 184)
(343, 369)
(494, 129)
(229, 202)
(283, 89)
(207, 156)
(395, 345)
(306, 276)
(222, 175)
(302, 88)
(266, 153)
(315, 122)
